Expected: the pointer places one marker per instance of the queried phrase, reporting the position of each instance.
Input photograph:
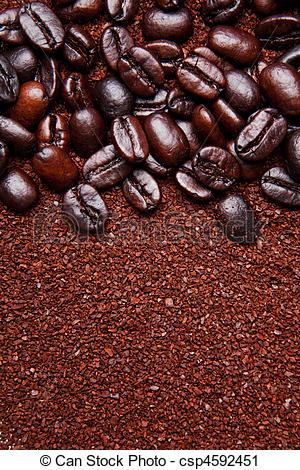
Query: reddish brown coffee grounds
(157, 339)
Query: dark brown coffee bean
(76, 91)
(87, 131)
(115, 41)
(279, 186)
(85, 209)
(113, 98)
(142, 191)
(191, 135)
(250, 171)
(106, 169)
(18, 191)
(9, 82)
(48, 75)
(79, 48)
(216, 168)
(264, 132)
(238, 220)
(10, 28)
(54, 130)
(140, 71)
(167, 141)
(174, 25)
(228, 119)
(41, 26)
(168, 53)
(200, 77)
(24, 61)
(156, 168)
(169, 5)
(4, 156)
(129, 139)
(189, 184)
(122, 11)
(19, 140)
(207, 127)
(222, 11)
(242, 92)
(291, 57)
(31, 106)
(266, 7)
(146, 106)
(234, 44)
(180, 104)
(279, 31)
(208, 54)
(293, 155)
(80, 11)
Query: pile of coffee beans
(211, 117)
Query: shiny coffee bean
(234, 44)
(9, 82)
(48, 75)
(238, 220)
(146, 106)
(174, 25)
(113, 98)
(18, 191)
(242, 92)
(85, 209)
(207, 127)
(129, 139)
(291, 57)
(31, 105)
(216, 168)
(121, 11)
(266, 7)
(279, 186)
(208, 54)
(19, 140)
(4, 156)
(293, 155)
(76, 91)
(264, 132)
(53, 130)
(250, 171)
(222, 11)
(41, 26)
(180, 104)
(106, 169)
(54, 166)
(79, 49)
(87, 130)
(200, 77)
(228, 119)
(156, 168)
(141, 191)
(10, 28)
(141, 71)
(280, 83)
(189, 184)
(167, 141)
(255, 70)
(279, 31)
(168, 53)
(191, 135)
(115, 41)
(80, 11)
(24, 61)
(169, 5)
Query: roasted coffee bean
(216, 168)
(54, 130)
(115, 41)
(140, 71)
(264, 132)
(10, 28)
(4, 155)
(266, 7)
(41, 26)
(129, 139)
(180, 104)
(238, 220)
(157, 168)
(168, 53)
(280, 84)
(9, 82)
(18, 139)
(24, 61)
(222, 11)
(31, 105)
(279, 31)
(48, 75)
(76, 91)
(279, 186)
(250, 171)
(228, 119)
(54, 166)
(191, 135)
(167, 141)
(146, 106)
(291, 57)
(174, 25)
(113, 98)
(255, 70)
(85, 209)
(80, 11)
(242, 92)
(105, 168)
(121, 11)
(142, 191)
(234, 44)
(208, 54)
(200, 77)
(170, 5)
(207, 127)
(189, 184)
(18, 191)
(79, 48)
(293, 155)
(87, 130)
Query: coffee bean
(279, 31)
(291, 57)
(4, 156)
(169, 5)
(191, 135)
(167, 141)
(293, 155)
(280, 84)
(18, 191)
(222, 11)
(238, 220)
(41, 26)
(9, 82)
(113, 98)
(142, 191)
(10, 28)
(180, 104)
(208, 54)
(216, 168)
(115, 41)
(76, 91)
(105, 168)
(19, 140)
(24, 61)
(129, 139)
(174, 25)
(31, 105)
(85, 209)
(121, 11)
(228, 119)
(279, 186)
(146, 106)
(79, 48)
(255, 70)
(250, 171)
(53, 130)
(140, 71)
(234, 44)
(80, 11)
(189, 184)
(242, 92)
(168, 53)
(48, 75)
(87, 130)
(266, 7)
(200, 77)
(157, 168)
(207, 127)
